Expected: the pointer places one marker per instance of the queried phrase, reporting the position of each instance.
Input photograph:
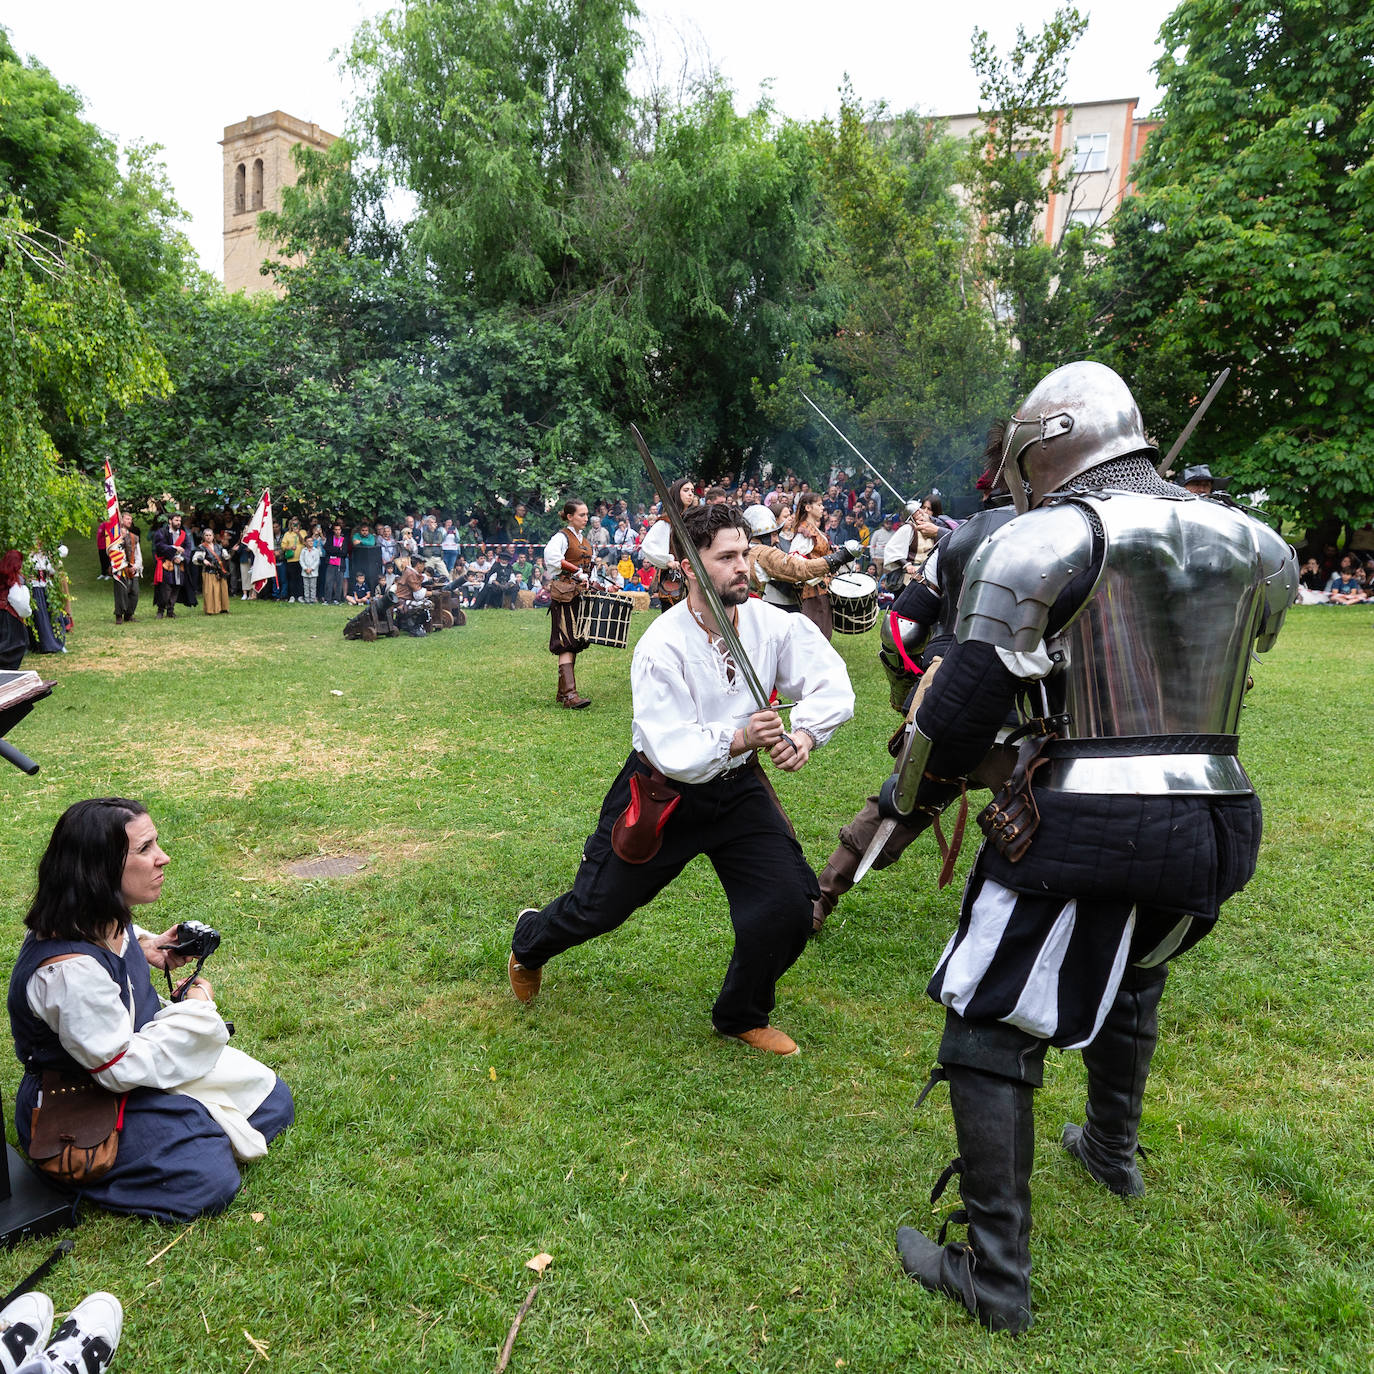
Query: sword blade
(875, 847)
(724, 623)
(1188, 429)
(860, 456)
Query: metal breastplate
(1162, 645)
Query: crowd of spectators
(320, 561)
(489, 563)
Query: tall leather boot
(994, 1119)
(836, 878)
(567, 689)
(1118, 1063)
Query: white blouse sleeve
(666, 725)
(898, 547)
(814, 676)
(554, 551)
(78, 1000)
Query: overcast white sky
(168, 72)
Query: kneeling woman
(82, 1003)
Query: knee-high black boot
(990, 1275)
(1118, 1063)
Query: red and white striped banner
(114, 545)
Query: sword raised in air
(1167, 461)
(724, 621)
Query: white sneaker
(85, 1343)
(24, 1328)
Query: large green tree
(365, 392)
(1248, 245)
(907, 359)
(670, 247)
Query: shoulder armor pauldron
(1019, 573)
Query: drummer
(777, 577)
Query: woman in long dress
(83, 1008)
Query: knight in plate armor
(1121, 612)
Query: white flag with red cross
(258, 536)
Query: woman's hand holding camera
(157, 950)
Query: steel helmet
(761, 522)
(1079, 416)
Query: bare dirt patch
(245, 757)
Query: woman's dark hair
(937, 507)
(81, 874)
(675, 491)
(705, 522)
(570, 507)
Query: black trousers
(737, 823)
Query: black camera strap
(178, 994)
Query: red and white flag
(258, 537)
(114, 545)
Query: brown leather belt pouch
(638, 832)
(74, 1132)
(1011, 818)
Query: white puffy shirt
(78, 1000)
(686, 709)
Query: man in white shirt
(693, 785)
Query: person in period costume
(807, 541)
(656, 550)
(83, 1010)
(44, 572)
(915, 634)
(779, 577)
(16, 605)
(569, 557)
(213, 563)
(172, 550)
(693, 785)
(1121, 612)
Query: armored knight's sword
(1192, 422)
(724, 621)
(860, 456)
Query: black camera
(195, 940)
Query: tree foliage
(913, 345)
(670, 249)
(1035, 290)
(66, 175)
(362, 393)
(71, 338)
(1248, 246)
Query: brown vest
(579, 551)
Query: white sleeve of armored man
(1018, 574)
(1279, 567)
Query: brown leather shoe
(768, 1038)
(524, 982)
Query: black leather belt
(1138, 746)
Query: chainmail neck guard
(1134, 473)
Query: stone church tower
(257, 165)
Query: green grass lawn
(707, 1208)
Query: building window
(240, 180)
(257, 182)
(1090, 153)
(1087, 218)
